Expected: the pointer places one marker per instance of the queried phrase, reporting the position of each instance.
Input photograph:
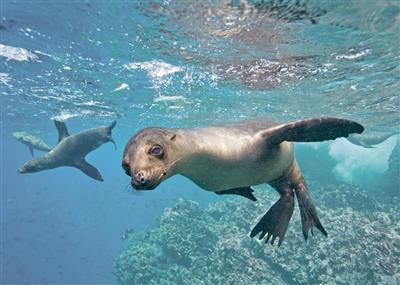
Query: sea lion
(229, 159)
(71, 150)
(32, 141)
(370, 140)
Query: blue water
(172, 64)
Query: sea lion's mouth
(145, 187)
(148, 180)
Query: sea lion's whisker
(127, 186)
(136, 191)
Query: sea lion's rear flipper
(308, 212)
(244, 191)
(312, 130)
(31, 150)
(89, 170)
(275, 222)
(112, 125)
(62, 130)
(109, 130)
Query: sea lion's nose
(139, 178)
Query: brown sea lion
(229, 159)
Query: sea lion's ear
(172, 137)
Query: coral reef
(193, 245)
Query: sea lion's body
(229, 159)
(238, 157)
(76, 146)
(71, 150)
(31, 141)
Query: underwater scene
(231, 142)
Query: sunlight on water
(18, 54)
(295, 57)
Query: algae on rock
(192, 245)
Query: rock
(193, 245)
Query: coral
(193, 245)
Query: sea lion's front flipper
(308, 212)
(354, 139)
(275, 222)
(312, 130)
(31, 150)
(62, 130)
(364, 145)
(89, 170)
(244, 191)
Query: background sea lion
(370, 140)
(32, 141)
(71, 150)
(229, 159)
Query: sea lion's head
(33, 165)
(21, 136)
(149, 157)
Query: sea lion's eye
(156, 150)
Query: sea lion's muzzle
(139, 178)
(139, 182)
(22, 170)
(145, 180)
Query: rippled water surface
(233, 58)
(175, 64)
